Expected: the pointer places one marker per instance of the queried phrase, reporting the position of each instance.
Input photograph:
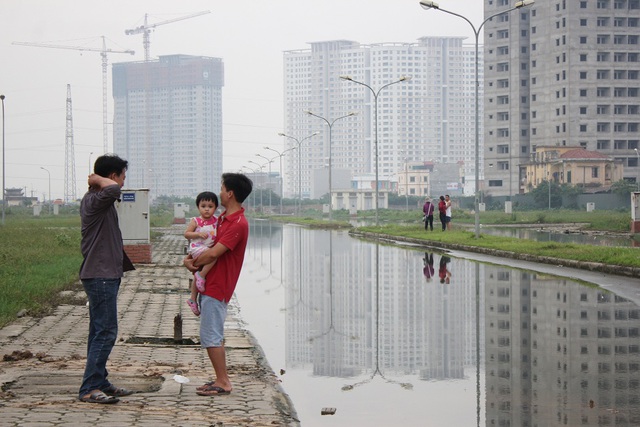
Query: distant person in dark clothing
(428, 209)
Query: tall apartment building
(427, 119)
(168, 123)
(560, 73)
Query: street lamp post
(48, 173)
(255, 174)
(330, 124)
(262, 183)
(4, 193)
(637, 170)
(406, 180)
(375, 126)
(269, 161)
(299, 142)
(280, 154)
(428, 4)
(549, 184)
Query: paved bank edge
(582, 265)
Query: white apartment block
(168, 123)
(562, 73)
(429, 118)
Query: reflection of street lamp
(375, 118)
(637, 169)
(3, 162)
(280, 154)
(299, 142)
(269, 161)
(428, 4)
(48, 173)
(330, 124)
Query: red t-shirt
(232, 232)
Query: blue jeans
(103, 330)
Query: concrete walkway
(44, 360)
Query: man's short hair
(107, 164)
(239, 183)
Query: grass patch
(621, 256)
(40, 256)
(597, 220)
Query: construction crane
(103, 53)
(146, 28)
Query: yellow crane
(103, 52)
(146, 29)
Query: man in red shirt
(228, 255)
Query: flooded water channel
(392, 335)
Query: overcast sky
(249, 35)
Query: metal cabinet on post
(635, 212)
(133, 216)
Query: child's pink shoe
(193, 306)
(199, 282)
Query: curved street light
(280, 154)
(48, 173)
(330, 124)
(427, 4)
(261, 179)
(638, 170)
(375, 126)
(269, 161)
(299, 142)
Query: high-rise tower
(168, 123)
(560, 73)
(427, 119)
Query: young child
(201, 232)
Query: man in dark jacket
(428, 209)
(101, 273)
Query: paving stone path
(43, 360)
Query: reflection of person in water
(428, 266)
(444, 273)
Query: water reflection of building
(559, 353)
(422, 328)
(552, 347)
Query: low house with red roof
(577, 166)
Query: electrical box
(635, 212)
(635, 206)
(180, 209)
(133, 216)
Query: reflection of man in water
(443, 272)
(428, 266)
